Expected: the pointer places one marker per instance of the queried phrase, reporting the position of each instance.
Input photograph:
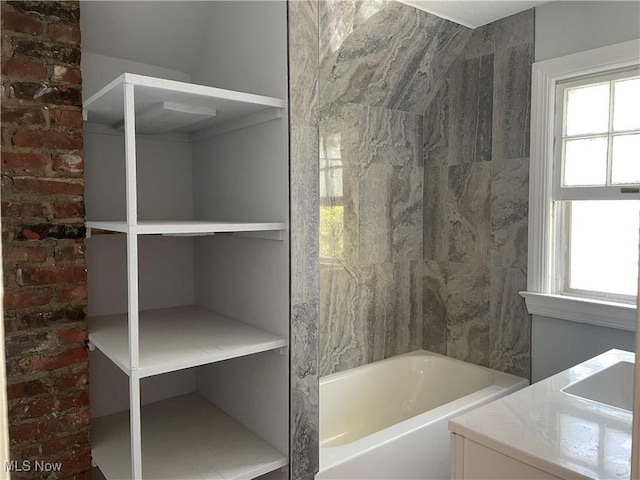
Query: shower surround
(415, 130)
(424, 128)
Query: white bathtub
(388, 419)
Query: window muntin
(597, 135)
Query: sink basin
(612, 386)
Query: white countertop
(562, 434)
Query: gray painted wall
(560, 344)
(568, 27)
(563, 28)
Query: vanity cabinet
(471, 460)
(573, 425)
(217, 401)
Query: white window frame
(541, 297)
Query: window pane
(625, 167)
(626, 105)
(604, 246)
(585, 162)
(587, 109)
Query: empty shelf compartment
(183, 437)
(177, 338)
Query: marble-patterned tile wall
(303, 155)
(475, 201)
(381, 64)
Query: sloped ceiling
(473, 13)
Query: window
(585, 187)
(596, 175)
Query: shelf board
(183, 437)
(182, 106)
(184, 227)
(178, 338)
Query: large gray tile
(481, 42)
(510, 336)
(343, 340)
(375, 295)
(355, 304)
(509, 212)
(435, 221)
(514, 30)
(304, 416)
(434, 307)
(375, 214)
(406, 213)
(468, 312)
(468, 213)
(512, 102)
(436, 129)
(394, 57)
(471, 110)
(303, 62)
(304, 214)
(404, 317)
(373, 135)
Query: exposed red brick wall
(42, 237)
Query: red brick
(59, 231)
(69, 209)
(24, 68)
(26, 47)
(66, 74)
(23, 161)
(29, 431)
(26, 298)
(42, 92)
(22, 210)
(76, 462)
(24, 254)
(68, 162)
(67, 252)
(45, 363)
(64, 33)
(76, 420)
(28, 321)
(72, 294)
(47, 139)
(60, 445)
(48, 186)
(31, 408)
(70, 336)
(78, 399)
(30, 388)
(7, 135)
(20, 23)
(50, 275)
(73, 380)
(66, 118)
(23, 115)
(69, 11)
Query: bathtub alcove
(389, 419)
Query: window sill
(595, 312)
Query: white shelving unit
(186, 436)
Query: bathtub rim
(503, 384)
